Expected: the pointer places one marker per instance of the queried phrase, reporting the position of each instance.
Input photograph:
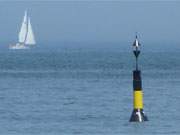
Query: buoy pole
(138, 113)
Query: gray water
(86, 91)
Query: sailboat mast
(26, 23)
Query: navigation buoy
(138, 113)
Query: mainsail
(23, 31)
(26, 34)
(30, 40)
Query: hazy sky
(98, 21)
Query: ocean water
(86, 91)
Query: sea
(87, 90)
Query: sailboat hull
(18, 47)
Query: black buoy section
(138, 113)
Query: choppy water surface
(86, 92)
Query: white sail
(26, 35)
(30, 40)
(23, 31)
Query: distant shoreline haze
(99, 46)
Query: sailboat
(26, 35)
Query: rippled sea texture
(86, 92)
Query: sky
(93, 21)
